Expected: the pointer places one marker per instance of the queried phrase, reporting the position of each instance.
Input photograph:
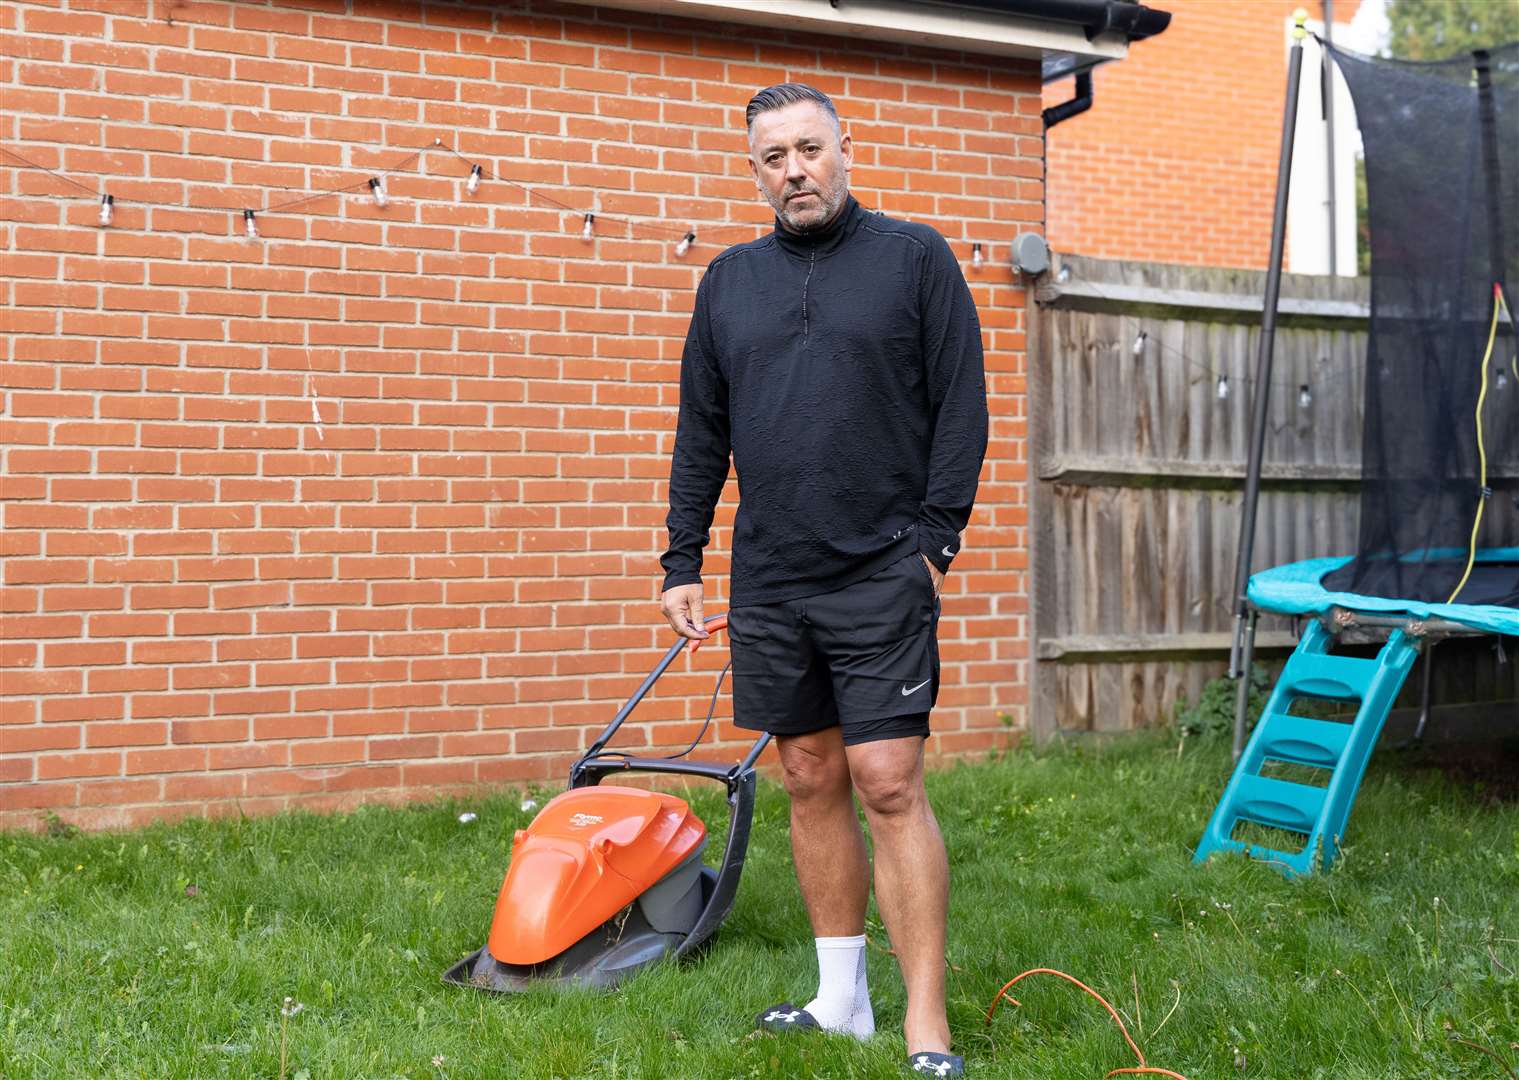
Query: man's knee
(814, 767)
(888, 795)
(888, 783)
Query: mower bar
(593, 765)
(716, 622)
(740, 780)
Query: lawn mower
(607, 880)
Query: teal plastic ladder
(1342, 749)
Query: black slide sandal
(931, 1063)
(785, 1017)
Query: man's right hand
(682, 606)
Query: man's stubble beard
(831, 202)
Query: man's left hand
(934, 573)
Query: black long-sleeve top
(843, 372)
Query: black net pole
(1487, 118)
(1326, 97)
(1263, 360)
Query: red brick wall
(212, 601)
(1176, 160)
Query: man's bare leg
(826, 843)
(911, 878)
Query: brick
(98, 734)
(62, 766)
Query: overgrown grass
(168, 952)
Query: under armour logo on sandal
(924, 1065)
(785, 1018)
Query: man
(838, 359)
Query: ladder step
(1301, 741)
(1278, 803)
(1338, 678)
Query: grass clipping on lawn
(172, 951)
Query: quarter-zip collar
(827, 239)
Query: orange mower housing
(585, 857)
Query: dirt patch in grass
(1489, 770)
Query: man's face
(800, 164)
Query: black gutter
(1135, 21)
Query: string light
(250, 226)
(1501, 381)
(975, 256)
(587, 231)
(1223, 388)
(1304, 396)
(1138, 348)
(377, 187)
(1064, 275)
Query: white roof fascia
(971, 30)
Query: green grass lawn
(168, 952)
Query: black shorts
(865, 658)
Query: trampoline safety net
(1441, 440)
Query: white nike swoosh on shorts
(915, 689)
(948, 554)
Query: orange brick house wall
(1176, 160)
(370, 507)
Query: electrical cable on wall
(376, 184)
(683, 237)
(1223, 382)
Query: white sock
(843, 1001)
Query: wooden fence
(1141, 390)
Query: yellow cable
(1492, 337)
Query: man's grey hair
(783, 94)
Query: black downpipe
(1078, 104)
(1243, 641)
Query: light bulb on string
(685, 243)
(250, 225)
(473, 184)
(1138, 348)
(1304, 396)
(107, 208)
(1063, 276)
(975, 256)
(1223, 388)
(588, 230)
(377, 189)
(1500, 381)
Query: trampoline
(1299, 589)
(1438, 543)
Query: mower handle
(713, 622)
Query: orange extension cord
(1142, 1068)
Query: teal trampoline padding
(1297, 589)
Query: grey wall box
(1031, 254)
